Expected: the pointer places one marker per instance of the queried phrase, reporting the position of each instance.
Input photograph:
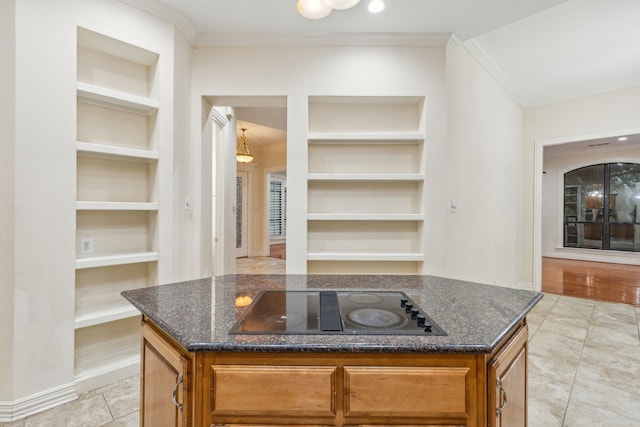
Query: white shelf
(116, 99)
(114, 152)
(364, 137)
(364, 217)
(115, 259)
(365, 256)
(108, 314)
(116, 206)
(365, 177)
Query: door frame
(267, 171)
(538, 165)
(246, 207)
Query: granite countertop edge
(328, 344)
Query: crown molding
(487, 63)
(323, 39)
(454, 41)
(166, 13)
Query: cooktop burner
(335, 312)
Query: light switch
(453, 206)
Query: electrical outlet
(86, 246)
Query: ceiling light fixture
(376, 6)
(318, 9)
(622, 138)
(341, 4)
(313, 9)
(242, 151)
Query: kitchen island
(194, 373)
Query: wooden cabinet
(332, 389)
(508, 384)
(166, 377)
(406, 392)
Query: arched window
(587, 191)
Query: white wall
(180, 172)
(482, 174)
(552, 201)
(7, 195)
(575, 119)
(42, 352)
(303, 71)
(45, 195)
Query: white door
(242, 213)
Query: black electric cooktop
(335, 312)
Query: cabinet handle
(175, 391)
(503, 393)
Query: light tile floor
(584, 370)
(260, 265)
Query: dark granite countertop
(199, 313)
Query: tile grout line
(108, 408)
(566, 408)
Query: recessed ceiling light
(376, 6)
(622, 138)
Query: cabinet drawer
(275, 390)
(406, 391)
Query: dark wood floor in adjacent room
(593, 280)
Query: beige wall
(481, 174)
(44, 195)
(268, 158)
(180, 172)
(7, 195)
(575, 119)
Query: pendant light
(242, 151)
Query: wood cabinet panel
(340, 389)
(165, 375)
(507, 382)
(406, 391)
(277, 390)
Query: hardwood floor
(592, 280)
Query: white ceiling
(578, 48)
(605, 144)
(541, 51)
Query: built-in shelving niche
(117, 206)
(365, 183)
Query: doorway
(553, 158)
(245, 213)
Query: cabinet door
(508, 383)
(165, 400)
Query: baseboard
(108, 374)
(527, 286)
(36, 403)
(613, 257)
